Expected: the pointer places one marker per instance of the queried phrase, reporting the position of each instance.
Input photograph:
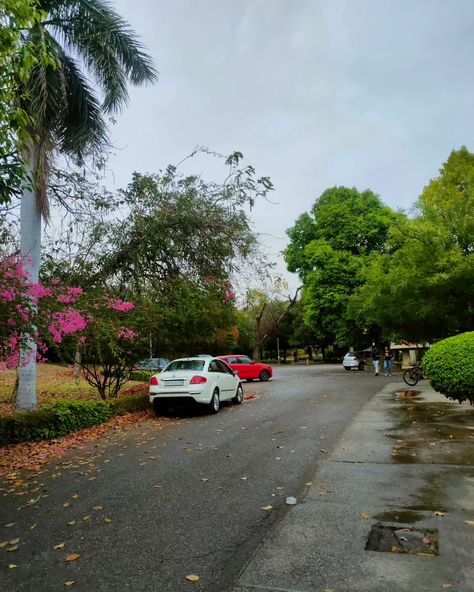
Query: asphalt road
(182, 500)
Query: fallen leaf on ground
(323, 451)
(309, 483)
(85, 518)
(9, 525)
(75, 496)
(204, 479)
(15, 548)
(97, 508)
(279, 488)
(440, 513)
(59, 546)
(71, 523)
(14, 541)
(394, 549)
(364, 516)
(4, 544)
(66, 505)
(108, 520)
(72, 557)
(244, 478)
(446, 585)
(470, 522)
(426, 540)
(192, 578)
(267, 508)
(70, 583)
(12, 565)
(33, 526)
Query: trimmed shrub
(63, 417)
(129, 404)
(449, 365)
(141, 375)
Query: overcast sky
(365, 93)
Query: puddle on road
(430, 432)
(403, 516)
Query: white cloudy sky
(316, 93)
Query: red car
(248, 369)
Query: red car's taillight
(198, 380)
(154, 381)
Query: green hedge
(141, 375)
(63, 417)
(449, 365)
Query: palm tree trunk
(30, 217)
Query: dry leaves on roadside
(72, 557)
(59, 546)
(69, 583)
(267, 508)
(33, 455)
(364, 515)
(193, 578)
(440, 514)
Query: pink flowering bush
(109, 342)
(33, 311)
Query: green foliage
(141, 375)
(422, 290)
(54, 420)
(17, 58)
(329, 248)
(449, 365)
(66, 416)
(130, 404)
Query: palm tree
(93, 55)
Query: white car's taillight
(154, 381)
(198, 380)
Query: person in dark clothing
(387, 363)
(375, 358)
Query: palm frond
(106, 43)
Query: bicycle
(413, 375)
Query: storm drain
(394, 539)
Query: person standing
(375, 358)
(387, 363)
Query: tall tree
(68, 116)
(423, 289)
(329, 247)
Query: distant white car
(204, 380)
(354, 360)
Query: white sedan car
(205, 380)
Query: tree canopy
(329, 248)
(423, 288)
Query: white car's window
(192, 365)
(213, 367)
(223, 367)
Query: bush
(129, 404)
(63, 417)
(141, 375)
(449, 365)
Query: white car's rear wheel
(239, 395)
(215, 403)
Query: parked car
(355, 360)
(152, 364)
(207, 381)
(248, 369)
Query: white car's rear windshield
(192, 365)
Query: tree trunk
(30, 217)
(76, 374)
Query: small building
(408, 353)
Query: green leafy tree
(423, 289)
(91, 47)
(17, 58)
(329, 248)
